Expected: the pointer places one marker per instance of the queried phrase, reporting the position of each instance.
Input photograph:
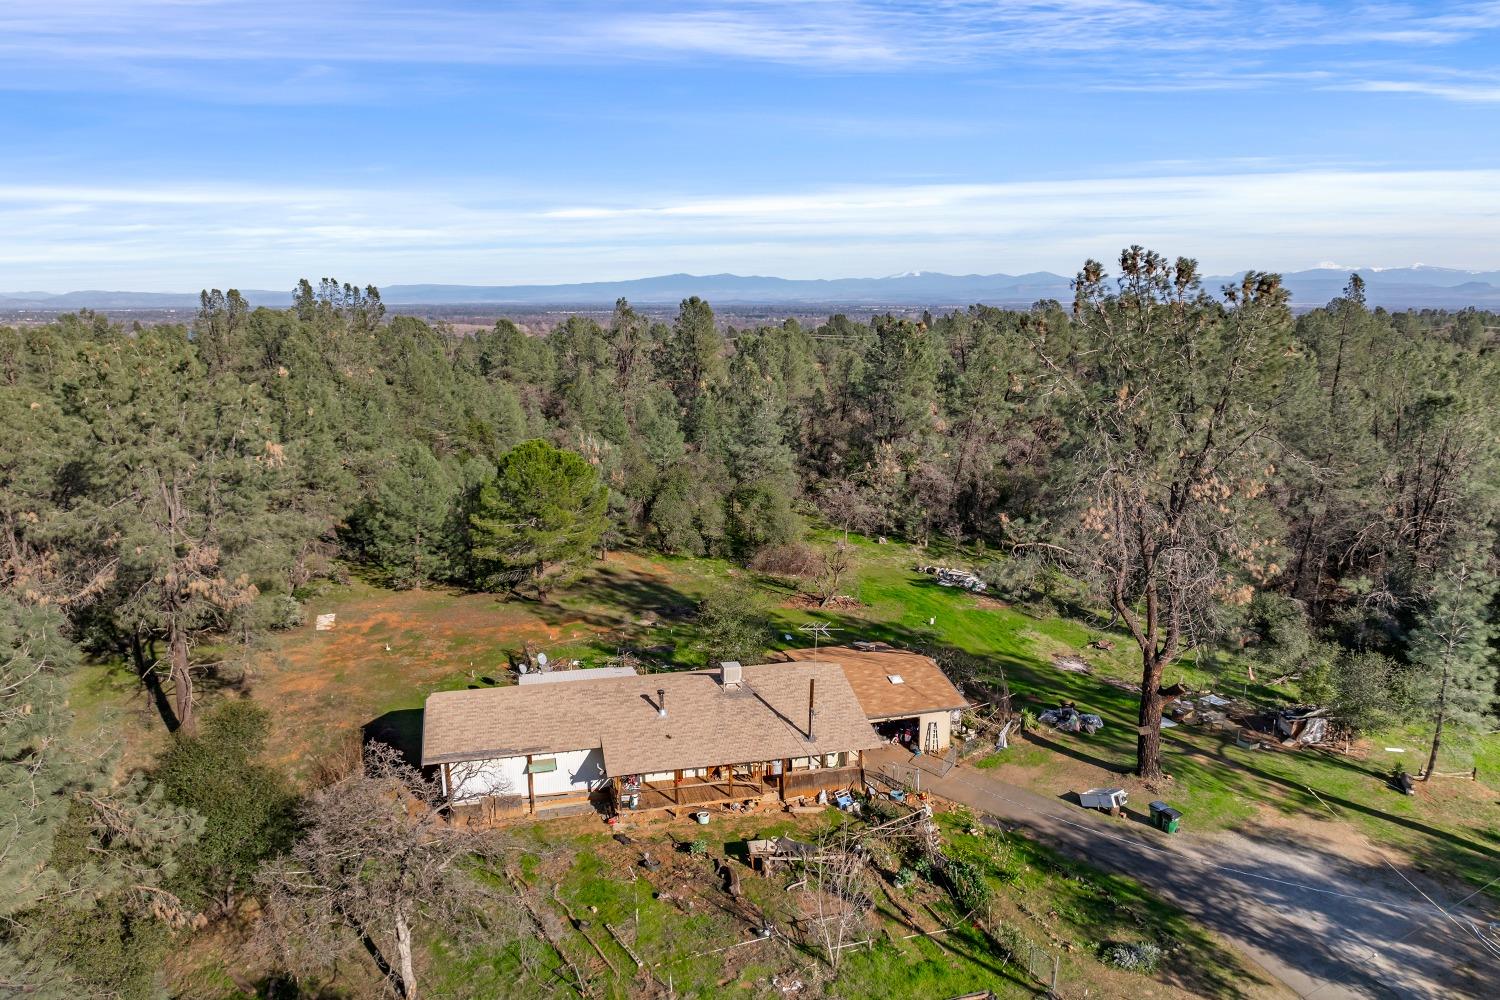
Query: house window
(542, 765)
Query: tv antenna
(819, 630)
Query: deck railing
(794, 783)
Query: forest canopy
(1209, 468)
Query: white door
(932, 737)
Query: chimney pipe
(812, 690)
(661, 702)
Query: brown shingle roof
(923, 688)
(765, 719)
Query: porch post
(530, 787)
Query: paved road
(1328, 927)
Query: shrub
(249, 806)
(967, 883)
(286, 612)
(795, 560)
(698, 847)
(1368, 691)
(1143, 956)
(761, 515)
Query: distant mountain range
(1414, 287)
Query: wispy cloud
(168, 44)
(259, 236)
(1476, 93)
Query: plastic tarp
(1067, 719)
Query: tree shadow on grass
(401, 729)
(632, 595)
(1067, 750)
(1341, 802)
(1216, 899)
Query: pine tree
(1452, 646)
(37, 772)
(402, 528)
(544, 510)
(188, 460)
(693, 355)
(84, 861)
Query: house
(905, 695)
(650, 742)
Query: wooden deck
(698, 792)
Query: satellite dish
(541, 660)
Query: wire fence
(1036, 961)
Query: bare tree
(833, 567)
(846, 504)
(378, 859)
(1172, 444)
(835, 891)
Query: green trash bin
(1164, 817)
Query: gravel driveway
(1327, 925)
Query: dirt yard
(388, 650)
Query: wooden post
(530, 787)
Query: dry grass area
(388, 650)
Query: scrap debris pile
(1205, 710)
(1297, 726)
(950, 577)
(1066, 718)
(1301, 726)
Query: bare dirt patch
(990, 603)
(839, 602)
(1340, 839)
(388, 650)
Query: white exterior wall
(578, 772)
(473, 779)
(944, 722)
(821, 761)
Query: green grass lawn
(691, 933)
(1452, 827)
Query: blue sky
(173, 144)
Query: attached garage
(905, 695)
